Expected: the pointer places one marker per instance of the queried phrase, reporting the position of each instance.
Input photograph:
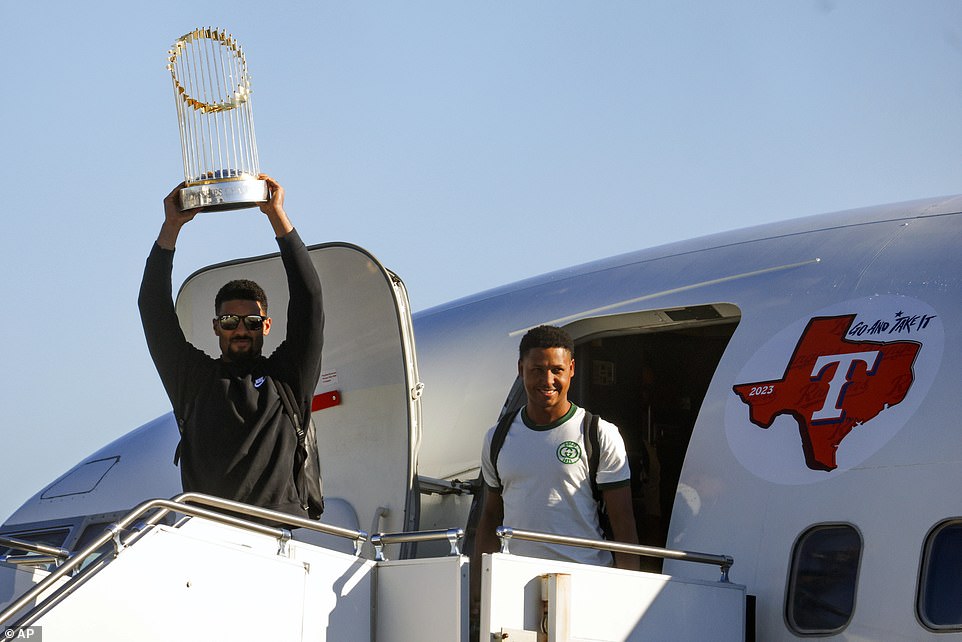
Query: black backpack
(589, 431)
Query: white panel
(611, 604)
(424, 600)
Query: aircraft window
(90, 533)
(940, 593)
(821, 590)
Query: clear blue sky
(466, 144)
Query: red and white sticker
(829, 391)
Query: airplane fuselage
(788, 396)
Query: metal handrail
(34, 547)
(358, 536)
(31, 560)
(453, 535)
(724, 562)
(177, 505)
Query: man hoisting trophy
(246, 435)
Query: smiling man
(539, 478)
(243, 417)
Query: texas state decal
(830, 390)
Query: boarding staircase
(184, 569)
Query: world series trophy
(212, 90)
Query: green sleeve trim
(617, 484)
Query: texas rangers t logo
(831, 385)
(846, 373)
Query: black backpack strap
(180, 443)
(307, 469)
(589, 431)
(497, 440)
(287, 399)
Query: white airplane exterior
(788, 394)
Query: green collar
(554, 424)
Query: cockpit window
(821, 590)
(940, 592)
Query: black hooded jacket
(237, 442)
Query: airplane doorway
(651, 384)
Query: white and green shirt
(545, 484)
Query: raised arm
(174, 219)
(274, 208)
(299, 356)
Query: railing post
(504, 534)
(378, 547)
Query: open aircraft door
(367, 402)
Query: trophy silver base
(229, 194)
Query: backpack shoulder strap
(589, 431)
(290, 407)
(307, 467)
(497, 440)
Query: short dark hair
(546, 336)
(240, 290)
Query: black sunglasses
(231, 321)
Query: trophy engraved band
(212, 91)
